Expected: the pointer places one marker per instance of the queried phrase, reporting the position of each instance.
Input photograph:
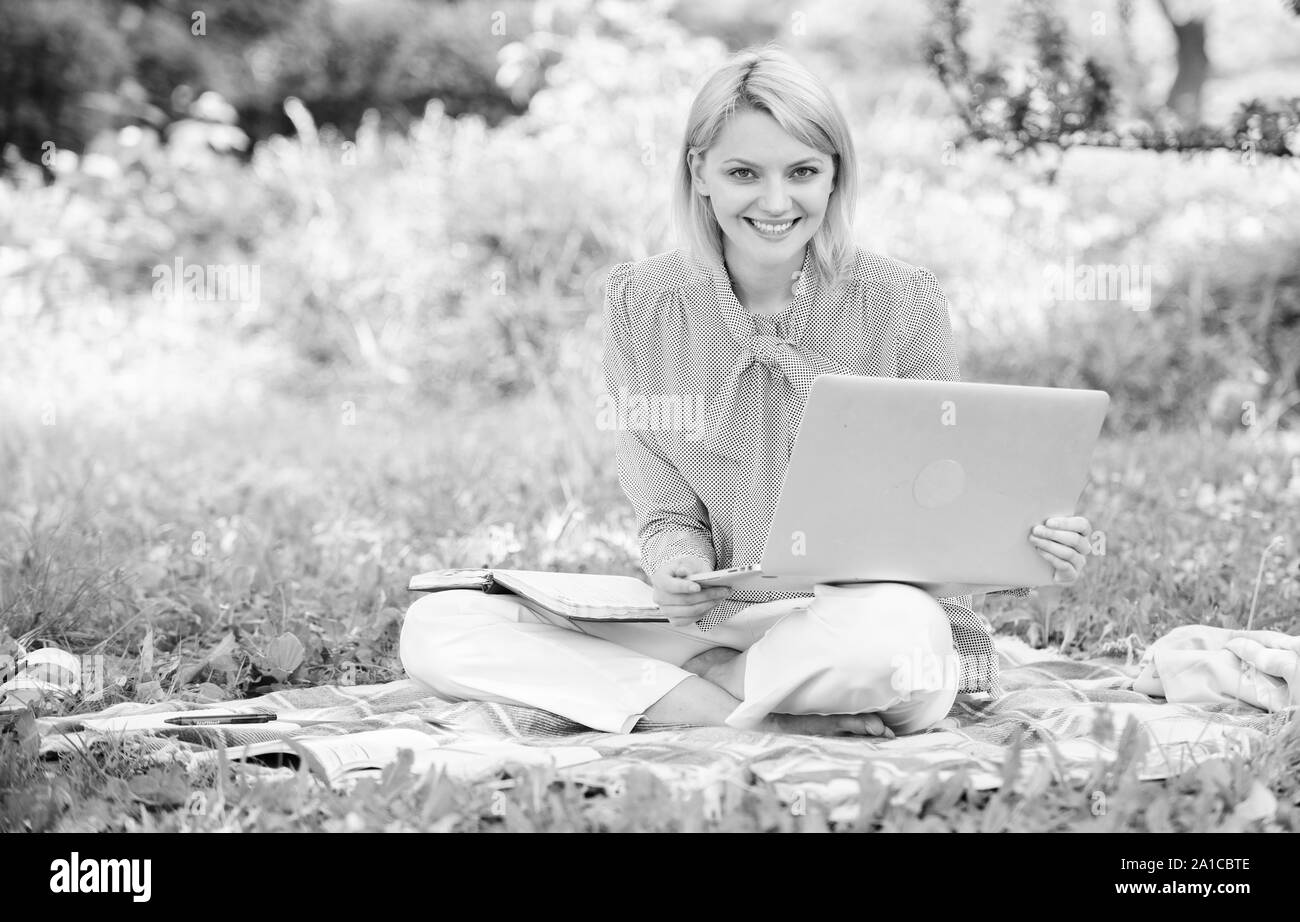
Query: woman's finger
(678, 619)
(1283, 664)
(674, 577)
(679, 582)
(1070, 539)
(685, 614)
(1275, 639)
(1065, 572)
(1270, 677)
(1072, 557)
(1075, 523)
(1257, 685)
(680, 585)
(1055, 548)
(711, 595)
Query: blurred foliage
(70, 69)
(1052, 97)
(464, 260)
(53, 56)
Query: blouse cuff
(1015, 593)
(677, 543)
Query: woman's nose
(776, 199)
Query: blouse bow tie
(742, 394)
(742, 390)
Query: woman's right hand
(682, 601)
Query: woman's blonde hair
(770, 81)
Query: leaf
(1067, 634)
(1215, 773)
(1259, 805)
(23, 727)
(150, 691)
(284, 655)
(150, 575)
(241, 581)
(207, 692)
(201, 605)
(116, 789)
(147, 649)
(8, 667)
(224, 664)
(161, 787)
(1158, 816)
(221, 651)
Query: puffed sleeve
(671, 519)
(926, 345)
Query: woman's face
(768, 189)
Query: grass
(223, 502)
(151, 547)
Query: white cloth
(1198, 664)
(877, 648)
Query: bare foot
(827, 724)
(718, 665)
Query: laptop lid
(935, 483)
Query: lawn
(151, 543)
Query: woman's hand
(1270, 668)
(1064, 543)
(682, 601)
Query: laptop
(932, 483)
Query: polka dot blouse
(708, 397)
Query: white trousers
(879, 647)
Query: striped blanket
(1062, 715)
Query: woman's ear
(696, 161)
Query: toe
(870, 725)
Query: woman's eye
(803, 172)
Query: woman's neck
(763, 288)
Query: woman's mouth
(770, 230)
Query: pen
(202, 719)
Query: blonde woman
(767, 291)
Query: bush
(461, 260)
(69, 70)
(52, 53)
(388, 55)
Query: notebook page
(582, 593)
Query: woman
(768, 292)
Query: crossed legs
(854, 659)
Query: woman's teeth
(771, 230)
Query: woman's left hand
(1064, 542)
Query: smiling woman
(769, 169)
(767, 292)
(769, 211)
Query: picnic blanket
(1066, 716)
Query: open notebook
(578, 596)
